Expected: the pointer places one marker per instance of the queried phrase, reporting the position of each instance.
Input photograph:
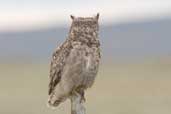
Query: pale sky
(29, 14)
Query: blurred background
(135, 72)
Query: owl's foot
(80, 92)
(82, 96)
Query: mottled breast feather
(81, 66)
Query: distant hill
(119, 41)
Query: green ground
(119, 89)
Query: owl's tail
(54, 100)
(59, 94)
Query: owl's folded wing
(55, 70)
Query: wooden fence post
(77, 106)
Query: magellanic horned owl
(75, 63)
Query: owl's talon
(82, 96)
(82, 99)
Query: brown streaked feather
(54, 75)
(57, 64)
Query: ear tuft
(97, 16)
(72, 17)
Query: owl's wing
(55, 70)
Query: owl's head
(86, 24)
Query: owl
(75, 63)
